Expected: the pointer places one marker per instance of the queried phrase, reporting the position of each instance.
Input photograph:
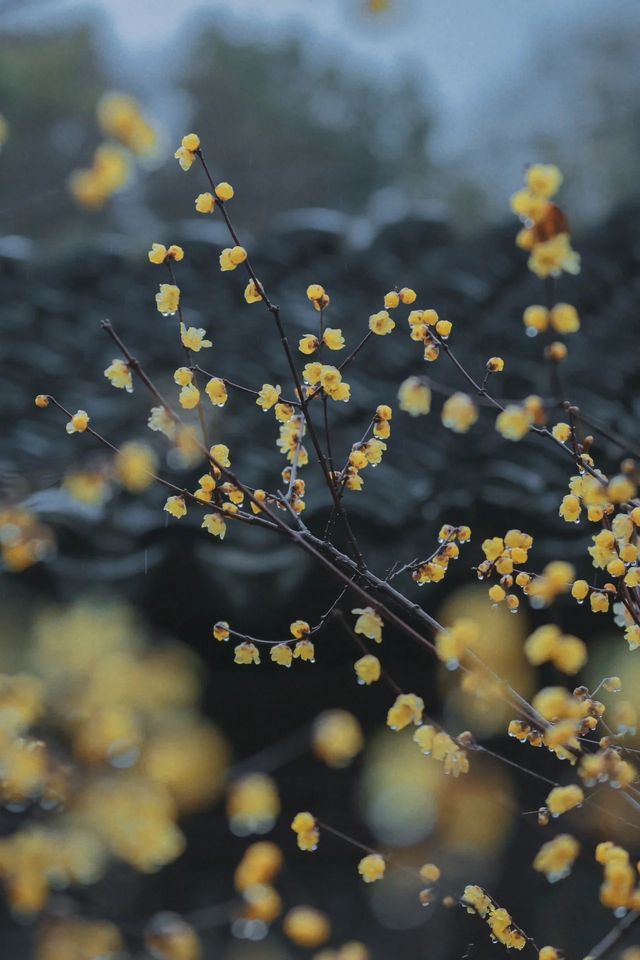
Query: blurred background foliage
(347, 172)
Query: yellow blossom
(205, 203)
(551, 257)
(193, 338)
(246, 653)
(79, 422)
(543, 179)
(224, 191)
(307, 927)
(214, 524)
(157, 253)
(381, 323)
(281, 654)
(305, 827)
(495, 365)
(118, 373)
(251, 293)
(216, 390)
(452, 643)
(268, 396)
(232, 257)
(162, 422)
(135, 464)
(367, 669)
(308, 344)
(414, 396)
(304, 650)
(570, 508)
(407, 295)
(221, 630)
(337, 737)
(333, 339)
(220, 454)
(459, 413)
(369, 623)
(408, 708)
(372, 867)
(176, 507)
(391, 300)
(513, 422)
(562, 799)
(168, 299)
(536, 319)
(564, 318)
(189, 396)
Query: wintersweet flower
(570, 508)
(551, 257)
(221, 630)
(430, 872)
(224, 191)
(168, 299)
(205, 203)
(408, 708)
(333, 339)
(562, 799)
(268, 396)
(162, 422)
(220, 454)
(300, 629)
(135, 464)
(308, 344)
(189, 396)
(79, 422)
(514, 422)
(459, 413)
(307, 927)
(564, 318)
(535, 319)
(414, 397)
(251, 293)
(214, 524)
(193, 338)
(443, 748)
(246, 653)
(157, 253)
(372, 868)
(232, 257)
(391, 300)
(216, 390)
(186, 152)
(367, 669)
(281, 654)
(369, 623)
(305, 827)
(381, 323)
(176, 507)
(315, 292)
(304, 650)
(118, 373)
(337, 737)
(543, 179)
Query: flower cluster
(556, 857)
(476, 900)
(546, 233)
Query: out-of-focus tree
(49, 86)
(296, 132)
